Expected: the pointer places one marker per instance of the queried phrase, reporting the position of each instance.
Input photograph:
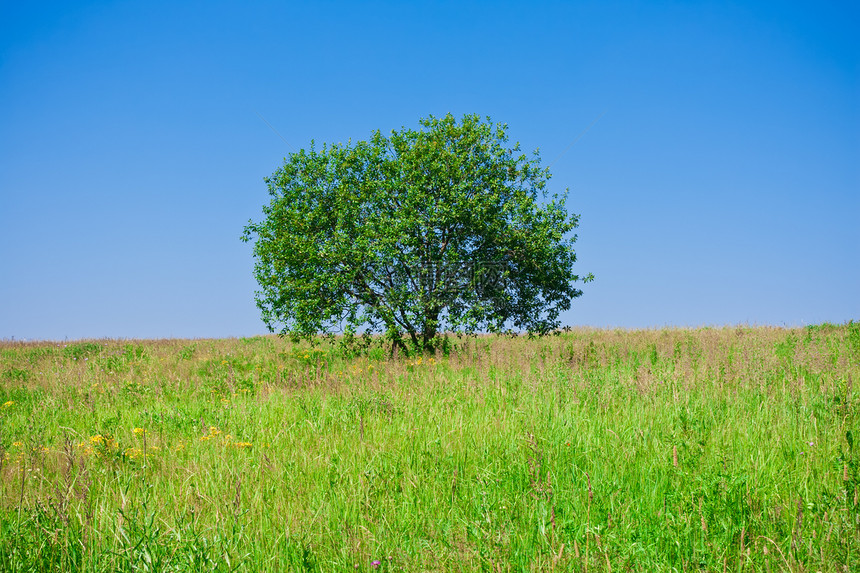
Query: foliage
(663, 450)
(412, 234)
(82, 350)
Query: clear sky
(721, 184)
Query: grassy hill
(711, 449)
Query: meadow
(727, 449)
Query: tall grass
(657, 450)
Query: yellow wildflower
(139, 431)
(8, 404)
(132, 452)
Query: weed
(709, 449)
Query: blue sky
(721, 184)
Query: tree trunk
(431, 323)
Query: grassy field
(657, 450)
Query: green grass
(689, 450)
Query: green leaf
(413, 234)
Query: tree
(412, 234)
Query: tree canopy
(413, 234)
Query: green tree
(439, 229)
